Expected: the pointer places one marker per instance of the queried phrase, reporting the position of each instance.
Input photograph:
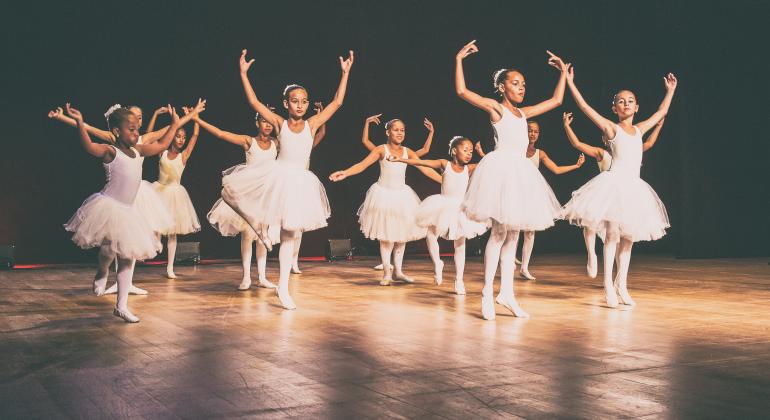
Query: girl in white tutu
(148, 202)
(604, 162)
(419, 152)
(283, 192)
(441, 213)
(506, 190)
(175, 197)
(389, 211)
(110, 219)
(617, 204)
(258, 149)
(536, 156)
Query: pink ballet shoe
(459, 287)
(592, 266)
(525, 273)
(403, 277)
(245, 284)
(133, 290)
(438, 273)
(99, 285)
(487, 308)
(623, 297)
(611, 297)
(295, 269)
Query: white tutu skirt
(511, 191)
(443, 213)
(277, 194)
(102, 220)
(178, 203)
(151, 207)
(228, 223)
(390, 214)
(629, 204)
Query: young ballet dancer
(441, 213)
(148, 202)
(283, 192)
(319, 135)
(617, 204)
(388, 213)
(604, 162)
(536, 156)
(109, 219)
(419, 152)
(172, 164)
(506, 190)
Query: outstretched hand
(581, 160)
(161, 110)
(74, 113)
(467, 49)
(670, 81)
(347, 63)
(318, 107)
(566, 118)
(338, 176)
(478, 148)
(56, 113)
(374, 119)
(570, 73)
(556, 62)
(429, 125)
(243, 64)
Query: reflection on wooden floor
(696, 346)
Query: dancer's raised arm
(321, 118)
(365, 136)
(487, 104)
(653, 137)
(558, 93)
(607, 126)
(593, 151)
(104, 135)
(426, 147)
(670, 82)
(262, 109)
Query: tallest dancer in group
(506, 190)
(283, 192)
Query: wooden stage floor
(696, 346)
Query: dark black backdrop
(710, 165)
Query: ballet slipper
(245, 284)
(99, 285)
(266, 284)
(459, 287)
(438, 273)
(403, 277)
(295, 269)
(510, 303)
(526, 274)
(125, 314)
(286, 300)
(487, 308)
(592, 267)
(624, 297)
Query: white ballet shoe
(264, 237)
(266, 284)
(378, 267)
(99, 285)
(295, 269)
(438, 273)
(170, 274)
(487, 308)
(459, 287)
(403, 277)
(510, 303)
(245, 284)
(517, 261)
(592, 267)
(611, 297)
(526, 274)
(286, 300)
(125, 314)
(623, 296)
(386, 281)
(133, 290)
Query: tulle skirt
(276, 193)
(618, 204)
(228, 223)
(152, 208)
(178, 203)
(102, 220)
(390, 214)
(510, 191)
(442, 212)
